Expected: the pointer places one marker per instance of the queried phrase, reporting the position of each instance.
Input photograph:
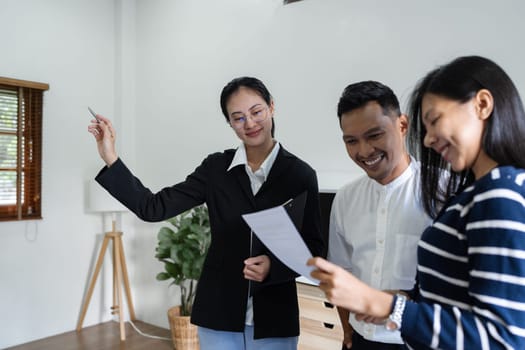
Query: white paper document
(276, 230)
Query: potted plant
(182, 247)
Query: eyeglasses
(257, 115)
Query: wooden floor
(105, 336)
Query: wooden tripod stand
(120, 275)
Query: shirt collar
(239, 158)
(405, 175)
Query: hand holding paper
(276, 230)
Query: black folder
(295, 209)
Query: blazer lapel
(244, 183)
(279, 166)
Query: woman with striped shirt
(469, 125)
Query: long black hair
(502, 140)
(250, 83)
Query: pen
(93, 114)
(287, 202)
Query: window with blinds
(20, 149)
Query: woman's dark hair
(502, 139)
(359, 94)
(248, 82)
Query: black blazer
(222, 291)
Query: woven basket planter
(183, 333)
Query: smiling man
(376, 221)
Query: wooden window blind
(20, 149)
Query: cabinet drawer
(318, 310)
(319, 320)
(319, 335)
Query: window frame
(28, 152)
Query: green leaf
(165, 234)
(162, 276)
(186, 269)
(172, 269)
(163, 252)
(175, 252)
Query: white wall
(44, 264)
(306, 52)
(157, 70)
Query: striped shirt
(471, 270)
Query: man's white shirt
(374, 232)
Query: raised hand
(105, 135)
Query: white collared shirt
(257, 179)
(374, 232)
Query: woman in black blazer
(246, 298)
